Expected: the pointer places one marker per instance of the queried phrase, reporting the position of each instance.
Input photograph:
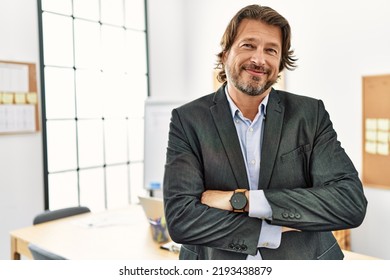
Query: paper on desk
(171, 246)
(107, 220)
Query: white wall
(337, 42)
(21, 171)
(167, 36)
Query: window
(94, 83)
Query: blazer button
(237, 247)
(291, 215)
(285, 215)
(297, 215)
(231, 246)
(244, 247)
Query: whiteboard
(157, 119)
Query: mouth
(256, 70)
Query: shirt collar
(234, 109)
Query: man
(256, 173)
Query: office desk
(348, 255)
(113, 234)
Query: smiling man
(256, 173)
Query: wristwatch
(238, 200)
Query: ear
(224, 57)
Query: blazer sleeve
(335, 199)
(189, 221)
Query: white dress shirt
(250, 134)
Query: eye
(247, 46)
(272, 51)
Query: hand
(217, 199)
(285, 229)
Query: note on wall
(370, 147)
(17, 118)
(18, 97)
(377, 136)
(14, 77)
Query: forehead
(258, 30)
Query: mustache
(256, 68)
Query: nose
(258, 57)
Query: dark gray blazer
(308, 179)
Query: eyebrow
(269, 44)
(250, 39)
(275, 45)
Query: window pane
(88, 9)
(87, 44)
(115, 95)
(57, 40)
(112, 12)
(115, 141)
(59, 93)
(90, 143)
(113, 42)
(136, 181)
(117, 186)
(92, 189)
(61, 145)
(136, 139)
(135, 14)
(88, 89)
(135, 52)
(137, 91)
(63, 190)
(58, 6)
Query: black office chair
(39, 253)
(50, 215)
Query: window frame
(43, 98)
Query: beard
(253, 87)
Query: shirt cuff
(270, 236)
(259, 206)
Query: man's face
(252, 63)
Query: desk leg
(15, 255)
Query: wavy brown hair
(263, 14)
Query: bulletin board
(18, 98)
(376, 131)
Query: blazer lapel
(227, 132)
(271, 138)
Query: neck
(248, 105)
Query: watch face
(238, 201)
